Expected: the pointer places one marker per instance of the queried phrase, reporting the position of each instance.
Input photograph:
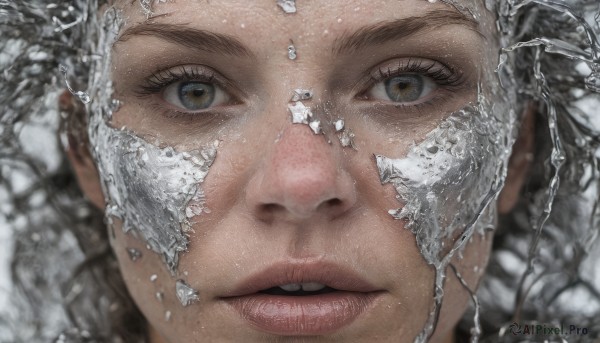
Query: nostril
(333, 206)
(266, 212)
(335, 202)
(271, 208)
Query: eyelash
(445, 77)
(157, 82)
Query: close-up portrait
(396, 171)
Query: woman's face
(224, 173)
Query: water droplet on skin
(134, 254)
(301, 94)
(167, 316)
(153, 277)
(159, 296)
(292, 52)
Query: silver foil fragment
(346, 138)
(315, 126)
(300, 113)
(186, 294)
(154, 191)
(448, 186)
(288, 6)
(345, 135)
(339, 125)
(303, 115)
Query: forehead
(313, 19)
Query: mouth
(299, 289)
(302, 299)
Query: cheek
(154, 289)
(152, 194)
(150, 284)
(154, 191)
(447, 183)
(447, 186)
(470, 267)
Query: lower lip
(302, 315)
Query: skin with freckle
(308, 198)
(311, 171)
(278, 204)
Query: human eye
(411, 82)
(188, 89)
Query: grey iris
(404, 88)
(196, 95)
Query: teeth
(312, 286)
(291, 287)
(307, 286)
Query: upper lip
(282, 273)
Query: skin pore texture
(204, 198)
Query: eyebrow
(190, 37)
(388, 31)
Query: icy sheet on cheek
(446, 181)
(154, 191)
(448, 185)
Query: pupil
(196, 95)
(404, 88)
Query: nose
(302, 176)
